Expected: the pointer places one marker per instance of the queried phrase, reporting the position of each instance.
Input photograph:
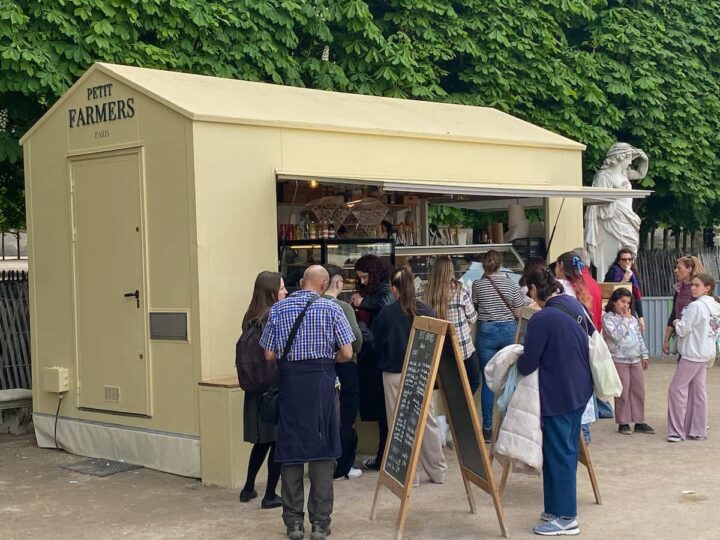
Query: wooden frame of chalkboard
(584, 455)
(430, 356)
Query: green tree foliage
(640, 71)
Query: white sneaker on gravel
(673, 438)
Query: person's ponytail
(403, 280)
(546, 284)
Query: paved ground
(651, 489)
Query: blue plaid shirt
(323, 331)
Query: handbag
(606, 381)
(268, 404)
(502, 297)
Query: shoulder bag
(268, 404)
(606, 381)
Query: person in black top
(269, 288)
(373, 294)
(391, 331)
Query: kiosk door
(110, 300)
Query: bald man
(308, 428)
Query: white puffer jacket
(520, 437)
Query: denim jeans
(491, 337)
(561, 443)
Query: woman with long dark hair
(557, 346)
(269, 288)
(391, 329)
(373, 293)
(623, 270)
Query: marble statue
(609, 227)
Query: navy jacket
(557, 345)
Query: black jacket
(391, 331)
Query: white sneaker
(354, 473)
(673, 438)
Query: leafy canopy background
(645, 72)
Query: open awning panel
(590, 195)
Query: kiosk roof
(214, 99)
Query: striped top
(489, 304)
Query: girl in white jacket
(697, 330)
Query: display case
(296, 255)
(467, 260)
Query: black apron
(308, 427)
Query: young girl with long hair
(447, 297)
(269, 288)
(621, 330)
(391, 329)
(697, 332)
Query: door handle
(135, 294)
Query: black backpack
(254, 373)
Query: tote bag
(606, 381)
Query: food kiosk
(153, 200)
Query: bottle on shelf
(324, 229)
(313, 231)
(331, 230)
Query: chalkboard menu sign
(410, 404)
(433, 353)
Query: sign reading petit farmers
(101, 111)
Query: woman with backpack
(269, 289)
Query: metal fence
(656, 311)
(656, 269)
(14, 331)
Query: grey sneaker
(296, 531)
(557, 527)
(319, 532)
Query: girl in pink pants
(697, 331)
(622, 334)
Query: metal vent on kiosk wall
(112, 393)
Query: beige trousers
(432, 458)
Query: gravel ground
(650, 489)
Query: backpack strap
(580, 319)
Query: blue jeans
(561, 444)
(491, 337)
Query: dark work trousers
(320, 501)
(561, 444)
(349, 399)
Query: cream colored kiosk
(151, 207)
